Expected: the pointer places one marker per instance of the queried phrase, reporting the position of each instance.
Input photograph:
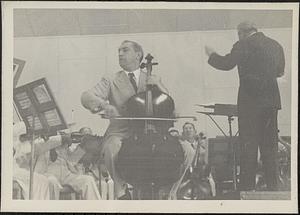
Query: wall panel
(73, 64)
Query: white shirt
(136, 75)
(194, 144)
(252, 34)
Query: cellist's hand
(110, 111)
(153, 80)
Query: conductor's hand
(209, 50)
(153, 80)
(110, 111)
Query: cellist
(110, 94)
(191, 142)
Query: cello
(150, 158)
(197, 185)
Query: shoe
(126, 196)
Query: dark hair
(137, 48)
(189, 123)
(174, 130)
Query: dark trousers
(258, 128)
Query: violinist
(55, 162)
(45, 186)
(64, 167)
(110, 95)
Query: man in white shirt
(189, 142)
(65, 170)
(45, 186)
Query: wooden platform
(265, 195)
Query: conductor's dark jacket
(260, 61)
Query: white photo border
(217, 206)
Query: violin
(91, 144)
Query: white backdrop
(72, 64)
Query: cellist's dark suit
(260, 61)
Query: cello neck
(197, 155)
(149, 105)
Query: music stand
(230, 111)
(18, 67)
(41, 115)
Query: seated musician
(45, 186)
(173, 132)
(189, 141)
(64, 166)
(110, 95)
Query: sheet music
(52, 117)
(41, 94)
(37, 122)
(23, 100)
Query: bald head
(86, 130)
(245, 29)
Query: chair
(68, 193)
(17, 190)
